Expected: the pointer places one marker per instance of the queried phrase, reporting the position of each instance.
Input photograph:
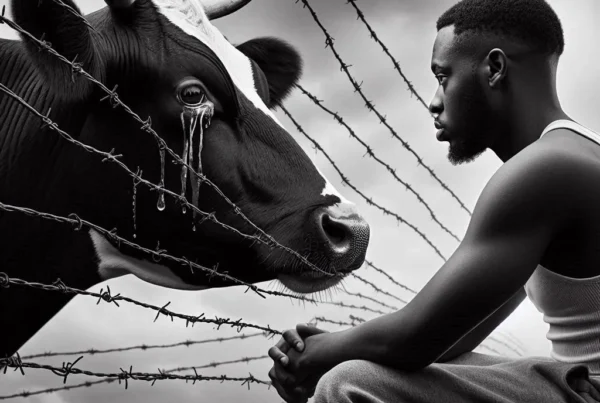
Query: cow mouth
(306, 283)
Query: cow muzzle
(343, 236)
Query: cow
(207, 99)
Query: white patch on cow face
(115, 264)
(189, 16)
(330, 190)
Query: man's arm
(529, 200)
(474, 338)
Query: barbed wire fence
(259, 236)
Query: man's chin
(458, 154)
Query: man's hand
(283, 380)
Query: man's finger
(305, 330)
(279, 356)
(292, 338)
(289, 395)
(283, 376)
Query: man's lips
(440, 133)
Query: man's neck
(528, 129)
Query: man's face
(460, 105)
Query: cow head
(170, 63)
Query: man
(535, 231)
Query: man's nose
(436, 105)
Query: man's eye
(440, 78)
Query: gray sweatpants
(471, 377)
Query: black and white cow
(168, 61)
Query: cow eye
(191, 94)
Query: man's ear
(497, 67)
(279, 61)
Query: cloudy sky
(408, 29)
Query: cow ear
(279, 61)
(66, 30)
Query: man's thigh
(469, 378)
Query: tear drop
(160, 205)
(189, 121)
(134, 202)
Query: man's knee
(346, 382)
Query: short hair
(532, 21)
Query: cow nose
(344, 234)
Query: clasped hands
(299, 362)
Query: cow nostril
(343, 236)
(336, 232)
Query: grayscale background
(408, 30)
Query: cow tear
(191, 117)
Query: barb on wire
(144, 347)
(347, 182)
(379, 290)
(110, 380)
(371, 265)
(58, 286)
(371, 154)
(371, 107)
(115, 101)
(68, 368)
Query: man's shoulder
(561, 155)
(550, 173)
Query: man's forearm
(382, 340)
(476, 336)
(387, 340)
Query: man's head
(488, 56)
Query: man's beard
(474, 138)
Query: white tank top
(570, 306)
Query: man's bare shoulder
(553, 179)
(560, 155)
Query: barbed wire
(88, 384)
(371, 154)
(157, 255)
(509, 336)
(354, 320)
(113, 98)
(359, 295)
(348, 183)
(486, 347)
(506, 345)
(143, 347)
(371, 107)
(379, 290)
(68, 368)
(350, 306)
(385, 49)
(371, 265)
(58, 286)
